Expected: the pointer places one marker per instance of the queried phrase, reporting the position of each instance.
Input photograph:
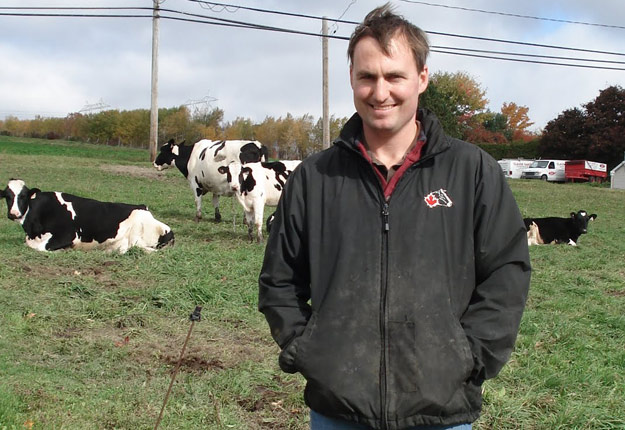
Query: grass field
(89, 340)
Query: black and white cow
(257, 185)
(557, 230)
(199, 163)
(56, 220)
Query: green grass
(90, 339)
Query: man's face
(386, 87)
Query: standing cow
(257, 185)
(557, 230)
(199, 163)
(56, 220)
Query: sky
(53, 66)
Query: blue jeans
(321, 422)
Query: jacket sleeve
(284, 281)
(492, 319)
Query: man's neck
(390, 149)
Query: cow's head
(580, 220)
(238, 176)
(236, 172)
(17, 196)
(167, 157)
(533, 236)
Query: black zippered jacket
(395, 311)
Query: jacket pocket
(433, 358)
(288, 356)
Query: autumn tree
(605, 125)
(564, 137)
(488, 127)
(456, 99)
(133, 128)
(518, 121)
(597, 132)
(209, 122)
(240, 128)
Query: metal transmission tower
(93, 107)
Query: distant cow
(257, 185)
(56, 220)
(199, 163)
(557, 230)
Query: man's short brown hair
(383, 25)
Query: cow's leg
(249, 220)
(216, 206)
(60, 241)
(198, 204)
(258, 221)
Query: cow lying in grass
(56, 220)
(557, 230)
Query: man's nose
(381, 90)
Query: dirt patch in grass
(616, 293)
(211, 347)
(103, 275)
(138, 171)
(194, 363)
(51, 270)
(271, 409)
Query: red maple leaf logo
(431, 200)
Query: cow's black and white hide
(57, 220)
(557, 230)
(257, 185)
(199, 163)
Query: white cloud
(57, 65)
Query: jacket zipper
(383, 293)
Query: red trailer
(584, 170)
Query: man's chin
(379, 125)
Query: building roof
(613, 171)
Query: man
(397, 268)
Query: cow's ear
(182, 143)
(573, 214)
(592, 217)
(222, 169)
(171, 141)
(3, 193)
(33, 191)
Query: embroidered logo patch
(438, 198)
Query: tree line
(287, 137)
(457, 99)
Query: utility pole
(326, 107)
(154, 104)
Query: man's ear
(424, 79)
(351, 69)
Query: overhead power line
(514, 15)
(429, 32)
(270, 11)
(518, 60)
(211, 20)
